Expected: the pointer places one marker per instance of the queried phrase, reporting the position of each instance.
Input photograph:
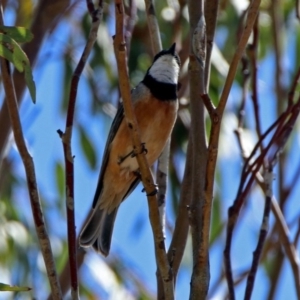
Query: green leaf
(11, 51)
(30, 82)
(88, 148)
(60, 178)
(8, 288)
(19, 34)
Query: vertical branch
(252, 14)
(27, 160)
(268, 179)
(216, 125)
(201, 275)
(202, 259)
(211, 13)
(66, 137)
(163, 160)
(175, 250)
(159, 243)
(153, 27)
(252, 51)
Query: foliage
(129, 272)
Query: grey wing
(112, 133)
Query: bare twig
(289, 247)
(268, 180)
(130, 23)
(297, 9)
(161, 257)
(251, 17)
(163, 162)
(201, 272)
(153, 27)
(66, 137)
(252, 52)
(275, 145)
(211, 13)
(38, 216)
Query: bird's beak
(172, 49)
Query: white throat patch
(165, 69)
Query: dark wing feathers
(112, 133)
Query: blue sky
(132, 234)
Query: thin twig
(209, 106)
(289, 247)
(66, 137)
(211, 14)
(245, 73)
(216, 125)
(251, 17)
(268, 180)
(161, 257)
(284, 124)
(297, 4)
(37, 213)
(153, 27)
(130, 23)
(163, 160)
(252, 52)
(276, 143)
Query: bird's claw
(132, 154)
(144, 150)
(153, 193)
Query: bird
(155, 105)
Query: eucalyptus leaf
(88, 148)
(8, 288)
(19, 34)
(30, 82)
(10, 50)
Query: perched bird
(155, 106)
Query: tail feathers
(98, 230)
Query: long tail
(98, 230)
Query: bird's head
(165, 66)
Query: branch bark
(201, 274)
(160, 250)
(66, 137)
(38, 216)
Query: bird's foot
(144, 150)
(122, 158)
(132, 154)
(153, 193)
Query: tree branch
(38, 216)
(161, 257)
(66, 137)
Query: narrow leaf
(30, 82)
(19, 34)
(88, 148)
(60, 178)
(11, 51)
(8, 288)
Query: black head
(162, 77)
(170, 51)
